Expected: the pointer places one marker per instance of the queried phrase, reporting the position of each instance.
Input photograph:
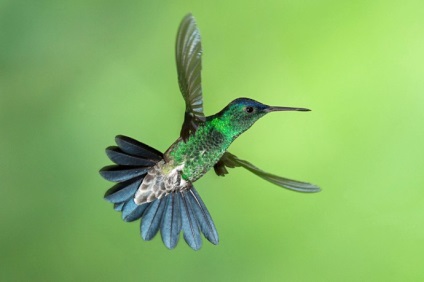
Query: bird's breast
(199, 153)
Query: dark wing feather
(188, 53)
(229, 160)
(220, 168)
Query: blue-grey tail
(175, 212)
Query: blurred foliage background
(73, 74)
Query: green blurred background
(73, 74)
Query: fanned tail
(175, 212)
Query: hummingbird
(158, 187)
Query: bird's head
(242, 113)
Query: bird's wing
(188, 54)
(231, 161)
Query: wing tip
(302, 187)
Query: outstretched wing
(188, 54)
(231, 161)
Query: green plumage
(200, 152)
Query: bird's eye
(248, 109)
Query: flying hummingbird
(158, 188)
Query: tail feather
(203, 217)
(151, 220)
(131, 211)
(118, 206)
(119, 157)
(171, 221)
(123, 191)
(175, 212)
(133, 147)
(118, 173)
(190, 226)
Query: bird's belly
(199, 153)
(196, 166)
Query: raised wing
(231, 161)
(188, 53)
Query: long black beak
(279, 109)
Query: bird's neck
(223, 125)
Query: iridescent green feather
(200, 152)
